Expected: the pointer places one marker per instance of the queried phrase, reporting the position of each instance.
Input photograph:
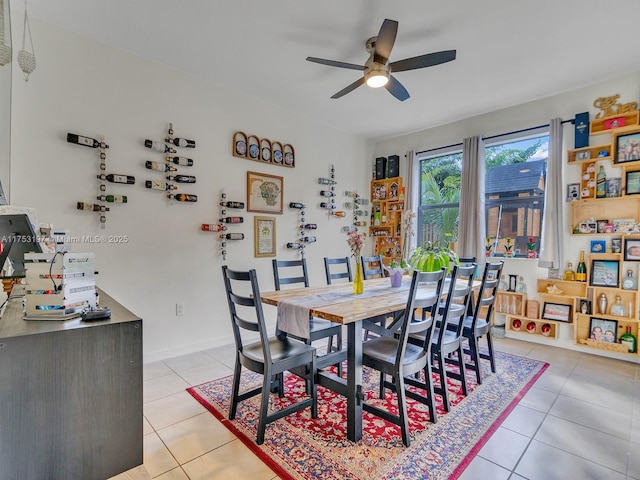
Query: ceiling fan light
(377, 80)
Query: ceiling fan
(377, 69)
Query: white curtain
(551, 243)
(411, 197)
(472, 228)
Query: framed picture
(588, 227)
(613, 187)
(632, 182)
(627, 146)
(264, 193)
(601, 225)
(623, 225)
(556, 311)
(598, 246)
(632, 249)
(605, 273)
(603, 330)
(573, 191)
(584, 155)
(616, 245)
(264, 236)
(585, 306)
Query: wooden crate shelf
(589, 154)
(539, 323)
(604, 125)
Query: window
(514, 193)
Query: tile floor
(581, 420)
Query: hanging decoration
(26, 59)
(5, 50)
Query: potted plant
(431, 257)
(508, 248)
(531, 248)
(488, 246)
(396, 271)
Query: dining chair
(394, 356)
(270, 356)
(479, 324)
(372, 267)
(344, 273)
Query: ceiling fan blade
(386, 39)
(350, 88)
(396, 89)
(333, 63)
(422, 61)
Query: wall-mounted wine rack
(103, 198)
(304, 238)
(223, 221)
(328, 194)
(170, 166)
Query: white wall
(83, 87)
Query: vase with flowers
(531, 248)
(396, 271)
(355, 240)
(488, 246)
(508, 247)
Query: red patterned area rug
(299, 447)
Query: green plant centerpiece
(431, 257)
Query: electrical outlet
(179, 309)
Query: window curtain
(411, 198)
(551, 243)
(471, 227)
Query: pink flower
(355, 240)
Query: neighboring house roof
(512, 178)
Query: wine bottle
(350, 194)
(327, 193)
(232, 236)
(581, 271)
(308, 226)
(295, 245)
(327, 205)
(158, 146)
(113, 198)
(297, 205)
(181, 142)
(182, 178)
(183, 197)
(360, 224)
(160, 166)
(362, 213)
(630, 283)
(231, 220)
(86, 141)
(184, 161)
(232, 204)
(158, 185)
(361, 201)
(92, 207)
(338, 213)
(601, 183)
(629, 340)
(213, 227)
(115, 178)
(569, 274)
(309, 239)
(326, 181)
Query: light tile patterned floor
(581, 420)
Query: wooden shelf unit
(603, 125)
(387, 207)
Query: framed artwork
(614, 187)
(604, 330)
(264, 236)
(573, 191)
(605, 273)
(598, 246)
(632, 249)
(601, 225)
(585, 306)
(632, 182)
(627, 146)
(556, 311)
(616, 245)
(264, 192)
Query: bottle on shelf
(232, 204)
(184, 161)
(182, 178)
(327, 205)
(308, 226)
(86, 141)
(183, 197)
(326, 181)
(158, 185)
(232, 220)
(601, 183)
(113, 198)
(310, 239)
(91, 207)
(617, 309)
(503, 284)
(212, 227)
(629, 340)
(160, 166)
(630, 282)
(327, 193)
(295, 245)
(297, 205)
(521, 287)
(569, 274)
(115, 178)
(181, 142)
(158, 146)
(232, 236)
(602, 304)
(581, 271)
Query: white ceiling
(508, 51)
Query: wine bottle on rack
(297, 205)
(360, 224)
(86, 141)
(327, 193)
(350, 194)
(581, 271)
(231, 220)
(338, 213)
(232, 204)
(181, 142)
(184, 161)
(213, 227)
(295, 245)
(361, 201)
(182, 178)
(309, 239)
(362, 213)
(115, 178)
(232, 236)
(183, 197)
(309, 226)
(326, 181)
(158, 185)
(158, 146)
(327, 205)
(91, 207)
(113, 198)
(160, 166)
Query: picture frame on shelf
(632, 182)
(556, 311)
(632, 249)
(616, 245)
(584, 306)
(614, 185)
(605, 273)
(264, 193)
(588, 227)
(603, 330)
(627, 146)
(583, 155)
(264, 236)
(601, 225)
(598, 246)
(624, 225)
(573, 192)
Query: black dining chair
(271, 356)
(394, 356)
(344, 273)
(372, 267)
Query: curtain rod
(493, 136)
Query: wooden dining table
(346, 308)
